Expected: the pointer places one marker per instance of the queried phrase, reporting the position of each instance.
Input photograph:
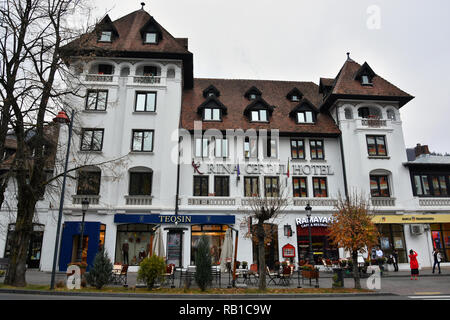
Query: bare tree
(259, 211)
(32, 86)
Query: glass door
(174, 246)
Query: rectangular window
(140, 184)
(376, 145)
(271, 148)
(222, 186)
(142, 140)
(431, 185)
(201, 186)
(316, 148)
(251, 186)
(212, 114)
(92, 139)
(201, 147)
(299, 187)
(105, 69)
(297, 149)
(259, 116)
(320, 187)
(150, 37)
(96, 100)
(271, 187)
(221, 148)
(88, 182)
(305, 117)
(379, 186)
(105, 36)
(251, 147)
(145, 102)
(150, 71)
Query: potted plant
(244, 264)
(309, 271)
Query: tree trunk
(356, 270)
(15, 275)
(261, 256)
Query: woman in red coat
(414, 264)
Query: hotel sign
(264, 168)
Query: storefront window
(440, 235)
(215, 234)
(34, 248)
(270, 245)
(393, 237)
(321, 244)
(134, 242)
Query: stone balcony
(434, 202)
(138, 200)
(383, 202)
(93, 199)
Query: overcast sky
(405, 42)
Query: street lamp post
(62, 119)
(308, 214)
(84, 208)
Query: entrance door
(174, 246)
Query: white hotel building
(141, 97)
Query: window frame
(252, 179)
(96, 91)
(140, 176)
(304, 117)
(222, 142)
(248, 141)
(271, 192)
(146, 93)
(224, 186)
(376, 145)
(98, 175)
(105, 32)
(203, 180)
(202, 147)
(377, 178)
(152, 33)
(316, 148)
(297, 148)
(133, 131)
(431, 188)
(212, 114)
(315, 194)
(93, 130)
(305, 179)
(259, 115)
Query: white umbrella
(226, 254)
(158, 244)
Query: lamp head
(85, 204)
(61, 118)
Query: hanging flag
(288, 168)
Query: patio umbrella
(227, 250)
(158, 244)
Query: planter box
(310, 274)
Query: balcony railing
(93, 199)
(317, 202)
(383, 202)
(373, 123)
(211, 201)
(99, 77)
(138, 200)
(147, 79)
(434, 202)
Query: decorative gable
(365, 74)
(106, 31)
(151, 32)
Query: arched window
(171, 73)
(391, 114)
(369, 112)
(379, 184)
(348, 113)
(141, 179)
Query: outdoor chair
(170, 275)
(216, 273)
(119, 274)
(272, 276)
(285, 276)
(253, 273)
(326, 265)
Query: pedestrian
(395, 259)
(380, 259)
(437, 259)
(414, 264)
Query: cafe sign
(174, 219)
(316, 221)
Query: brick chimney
(419, 149)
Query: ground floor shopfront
(128, 238)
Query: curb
(194, 296)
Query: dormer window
(211, 91)
(295, 98)
(365, 80)
(105, 36)
(253, 93)
(259, 116)
(151, 37)
(365, 75)
(212, 114)
(294, 95)
(305, 117)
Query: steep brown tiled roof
(345, 84)
(130, 39)
(273, 92)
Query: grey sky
(305, 40)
